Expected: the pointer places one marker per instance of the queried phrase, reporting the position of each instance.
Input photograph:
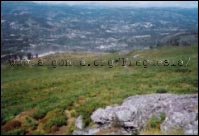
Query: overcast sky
(183, 4)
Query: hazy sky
(184, 4)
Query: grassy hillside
(45, 100)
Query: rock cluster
(181, 112)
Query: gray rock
(136, 110)
(79, 122)
(90, 131)
(103, 130)
(79, 132)
(191, 129)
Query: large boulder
(181, 112)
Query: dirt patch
(16, 122)
(10, 125)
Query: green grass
(30, 123)
(153, 125)
(55, 118)
(15, 132)
(155, 121)
(84, 89)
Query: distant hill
(40, 28)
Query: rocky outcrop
(106, 129)
(181, 112)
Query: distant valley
(42, 28)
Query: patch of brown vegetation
(24, 114)
(17, 121)
(10, 125)
(54, 129)
(81, 100)
(43, 120)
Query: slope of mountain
(40, 28)
(41, 99)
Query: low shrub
(155, 121)
(161, 90)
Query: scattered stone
(79, 122)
